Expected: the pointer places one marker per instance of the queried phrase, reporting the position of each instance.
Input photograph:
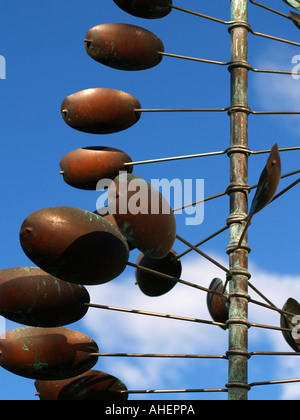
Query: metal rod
(270, 9)
(171, 391)
(283, 381)
(228, 63)
(139, 312)
(175, 356)
(204, 255)
(238, 261)
(274, 353)
(202, 242)
(286, 189)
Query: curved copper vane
(100, 110)
(286, 321)
(268, 182)
(295, 18)
(293, 3)
(84, 168)
(123, 47)
(47, 353)
(74, 245)
(90, 386)
(267, 186)
(148, 9)
(152, 284)
(30, 296)
(143, 215)
(216, 305)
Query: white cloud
(124, 332)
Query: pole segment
(238, 323)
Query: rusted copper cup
(143, 215)
(287, 321)
(74, 245)
(30, 296)
(90, 386)
(84, 168)
(216, 305)
(152, 284)
(123, 47)
(100, 110)
(148, 9)
(47, 353)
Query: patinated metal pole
(238, 324)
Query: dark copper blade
(100, 110)
(90, 386)
(74, 245)
(84, 168)
(268, 182)
(295, 18)
(286, 321)
(148, 9)
(217, 306)
(47, 353)
(152, 284)
(143, 215)
(123, 47)
(30, 296)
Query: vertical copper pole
(238, 317)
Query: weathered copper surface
(293, 307)
(103, 212)
(217, 306)
(295, 18)
(143, 215)
(293, 3)
(32, 297)
(47, 353)
(84, 168)
(268, 182)
(74, 245)
(148, 9)
(100, 110)
(90, 386)
(151, 284)
(123, 47)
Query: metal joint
(238, 385)
(238, 108)
(239, 295)
(240, 24)
(239, 321)
(238, 353)
(239, 63)
(238, 149)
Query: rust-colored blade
(287, 321)
(123, 47)
(295, 18)
(32, 297)
(90, 386)
(143, 215)
(47, 353)
(268, 182)
(100, 110)
(148, 9)
(293, 3)
(74, 245)
(84, 168)
(152, 284)
(217, 306)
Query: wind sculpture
(73, 248)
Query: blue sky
(42, 43)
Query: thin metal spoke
(154, 314)
(150, 355)
(283, 381)
(274, 353)
(204, 255)
(270, 9)
(172, 391)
